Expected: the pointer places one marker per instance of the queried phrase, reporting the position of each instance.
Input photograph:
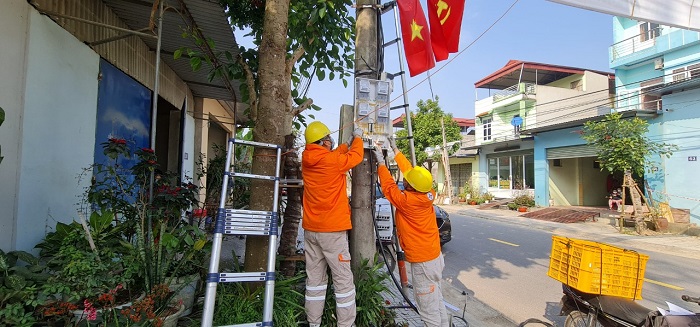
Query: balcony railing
(634, 44)
(521, 88)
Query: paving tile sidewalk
(457, 303)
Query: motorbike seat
(621, 308)
(624, 309)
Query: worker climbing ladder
(244, 222)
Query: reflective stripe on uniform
(337, 295)
(315, 298)
(344, 305)
(317, 288)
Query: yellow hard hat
(420, 179)
(316, 131)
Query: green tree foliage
(293, 42)
(622, 143)
(320, 43)
(427, 131)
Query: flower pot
(184, 288)
(472, 202)
(83, 314)
(522, 209)
(171, 320)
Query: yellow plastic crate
(597, 268)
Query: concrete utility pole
(362, 237)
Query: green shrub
(524, 200)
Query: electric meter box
(372, 112)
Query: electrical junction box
(383, 221)
(372, 112)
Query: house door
(461, 173)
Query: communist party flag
(416, 37)
(445, 24)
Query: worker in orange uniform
(418, 233)
(326, 221)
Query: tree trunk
(274, 119)
(292, 212)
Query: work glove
(358, 132)
(378, 155)
(392, 144)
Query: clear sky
(534, 30)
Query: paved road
(504, 265)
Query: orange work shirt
(415, 216)
(326, 205)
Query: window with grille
(694, 70)
(651, 99)
(487, 129)
(679, 74)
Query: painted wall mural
(123, 111)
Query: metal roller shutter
(575, 151)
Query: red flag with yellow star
(445, 24)
(416, 37)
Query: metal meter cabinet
(372, 112)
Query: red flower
(149, 150)
(117, 141)
(151, 162)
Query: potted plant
(487, 197)
(136, 235)
(524, 201)
(85, 260)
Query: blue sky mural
(123, 111)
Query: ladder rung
(241, 216)
(248, 212)
(246, 232)
(243, 220)
(253, 143)
(248, 223)
(391, 42)
(290, 182)
(252, 324)
(272, 178)
(240, 277)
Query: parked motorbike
(592, 310)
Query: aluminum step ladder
(244, 222)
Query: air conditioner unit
(659, 63)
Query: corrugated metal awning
(208, 16)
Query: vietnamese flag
(416, 37)
(445, 24)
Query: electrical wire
(438, 70)
(373, 199)
(630, 96)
